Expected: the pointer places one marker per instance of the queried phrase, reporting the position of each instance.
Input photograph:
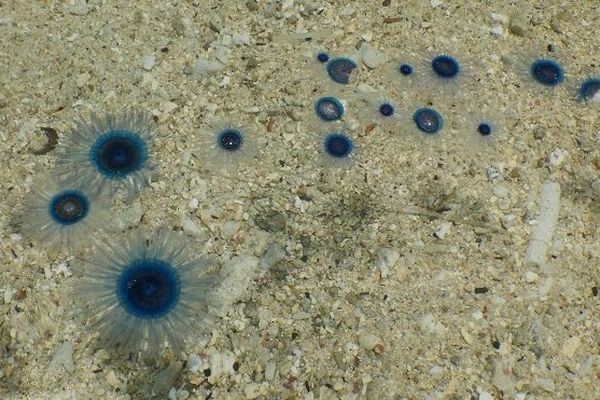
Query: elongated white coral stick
(541, 235)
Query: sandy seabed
(399, 275)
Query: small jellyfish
(481, 128)
(109, 151)
(340, 69)
(224, 147)
(484, 128)
(145, 294)
(547, 72)
(337, 148)
(322, 57)
(380, 109)
(62, 215)
(230, 140)
(386, 109)
(404, 74)
(428, 121)
(329, 108)
(589, 90)
(443, 72)
(405, 69)
(338, 145)
(445, 66)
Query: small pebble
(194, 363)
(499, 18)
(275, 253)
(371, 57)
(442, 230)
(252, 391)
(131, 216)
(483, 395)
(230, 228)
(560, 21)
(63, 359)
(386, 259)
(556, 157)
(518, 25)
(497, 30)
(531, 277)
(492, 173)
(369, 341)
(148, 62)
(546, 383)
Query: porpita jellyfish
(61, 214)
(224, 147)
(109, 151)
(337, 148)
(546, 72)
(589, 90)
(144, 294)
(329, 108)
(340, 69)
(428, 121)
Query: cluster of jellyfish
(145, 292)
(442, 72)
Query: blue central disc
(148, 288)
(338, 145)
(339, 69)
(428, 120)
(69, 207)
(230, 140)
(405, 69)
(589, 88)
(484, 129)
(547, 72)
(386, 109)
(116, 154)
(329, 109)
(445, 66)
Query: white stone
(497, 30)
(221, 364)
(190, 226)
(443, 230)
(556, 157)
(194, 363)
(252, 391)
(230, 228)
(131, 216)
(63, 359)
(275, 253)
(386, 259)
(499, 18)
(435, 3)
(193, 203)
(148, 62)
(241, 38)
(205, 66)
(483, 395)
(492, 173)
(370, 56)
(368, 341)
(531, 277)
(237, 275)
